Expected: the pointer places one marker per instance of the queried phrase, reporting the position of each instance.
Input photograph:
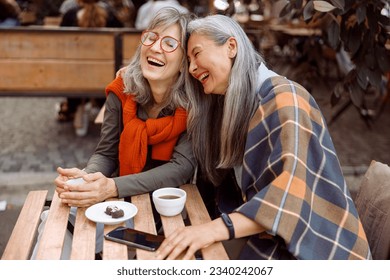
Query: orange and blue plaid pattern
(293, 182)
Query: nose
(193, 67)
(156, 47)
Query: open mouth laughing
(155, 62)
(202, 78)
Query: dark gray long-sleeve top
(176, 172)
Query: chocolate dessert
(117, 213)
(110, 209)
(114, 211)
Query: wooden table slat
(20, 243)
(170, 224)
(144, 221)
(197, 213)
(52, 240)
(114, 250)
(84, 236)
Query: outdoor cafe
(23, 237)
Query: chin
(152, 76)
(213, 92)
(207, 91)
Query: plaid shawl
(293, 182)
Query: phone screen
(135, 238)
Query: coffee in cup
(169, 201)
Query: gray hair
(230, 113)
(134, 81)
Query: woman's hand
(65, 174)
(96, 188)
(188, 240)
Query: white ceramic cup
(169, 201)
(75, 182)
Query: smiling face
(210, 63)
(159, 66)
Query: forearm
(243, 226)
(172, 174)
(103, 164)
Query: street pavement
(33, 144)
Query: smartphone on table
(135, 238)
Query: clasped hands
(96, 187)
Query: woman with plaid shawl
(270, 132)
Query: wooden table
(22, 239)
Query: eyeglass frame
(158, 37)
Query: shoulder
(285, 100)
(116, 86)
(279, 85)
(113, 100)
(285, 93)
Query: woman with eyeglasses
(144, 145)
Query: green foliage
(360, 28)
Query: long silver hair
(135, 82)
(218, 124)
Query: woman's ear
(232, 47)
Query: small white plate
(96, 213)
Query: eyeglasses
(167, 44)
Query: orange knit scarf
(161, 133)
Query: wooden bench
(62, 61)
(51, 243)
